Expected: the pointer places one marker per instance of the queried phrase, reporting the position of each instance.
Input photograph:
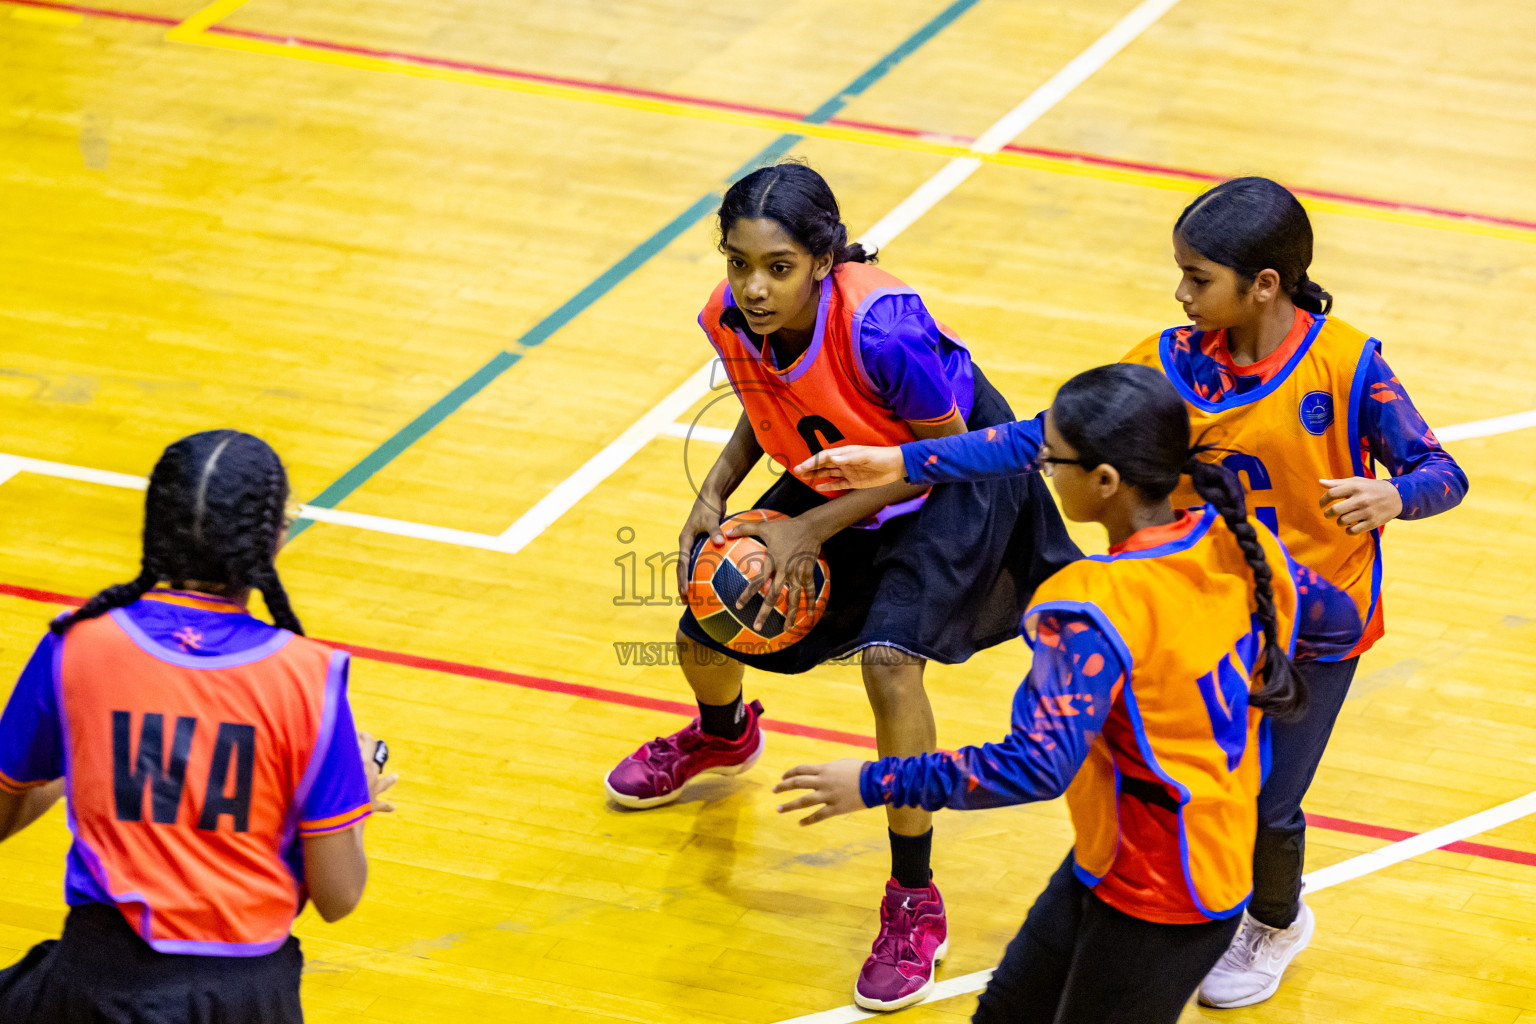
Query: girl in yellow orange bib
(1139, 706)
(1304, 406)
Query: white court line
(1322, 878)
(602, 465)
(654, 423)
(697, 432)
(1483, 428)
(10, 465)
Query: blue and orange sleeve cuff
(335, 823)
(870, 789)
(15, 786)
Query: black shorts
(1077, 960)
(941, 583)
(100, 972)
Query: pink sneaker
(654, 774)
(914, 936)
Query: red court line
(1396, 834)
(598, 693)
(1087, 159)
(98, 12)
(497, 675)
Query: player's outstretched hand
(375, 754)
(1359, 503)
(834, 785)
(852, 466)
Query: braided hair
(1130, 417)
(214, 514)
(801, 202)
(1252, 224)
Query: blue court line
(605, 282)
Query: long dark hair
(1253, 224)
(1130, 417)
(213, 514)
(801, 202)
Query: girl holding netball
(1301, 404)
(823, 348)
(209, 762)
(1141, 705)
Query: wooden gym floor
(447, 257)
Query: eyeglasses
(1047, 463)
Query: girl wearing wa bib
(209, 762)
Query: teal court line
(384, 454)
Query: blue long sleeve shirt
(1060, 709)
(1392, 430)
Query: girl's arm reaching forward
(1057, 714)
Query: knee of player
(893, 683)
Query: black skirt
(100, 972)
(940, 583)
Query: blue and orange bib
(1298, 428)
(1181, 614)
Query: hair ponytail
(1284, 693)
(117, 596)
(1310, 296)
(1254, 224)
(801, 202)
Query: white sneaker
(1251, 968)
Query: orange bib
(1182, 616)
(825, 398)
(185, 787)
(1297, 429)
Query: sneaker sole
(1274, 986)
(916, 997)
(641, 803)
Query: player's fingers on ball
(770, 600)
(754, 586)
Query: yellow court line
(193, 30)
(45, 16)
(767, 122)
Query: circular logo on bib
(1316, 411)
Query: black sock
(727, 721)
(909, 860)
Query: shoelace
(895, 938)
(1242, 953)
(664, 749)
